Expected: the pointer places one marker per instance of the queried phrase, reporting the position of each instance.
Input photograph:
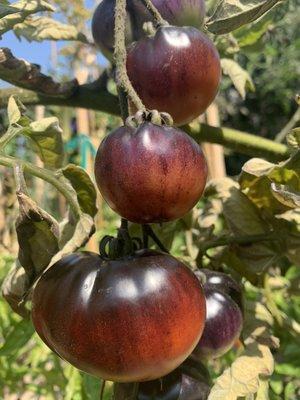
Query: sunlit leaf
(232, 14)
(83, 186)
(245, 374)
(46, 136)
(239, 76)
(17, 338)
(44, 28)
(23, 9)
(293, 138)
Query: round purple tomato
(151, 173)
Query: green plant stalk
(44, 174)
(229, 240)
(270, 301)
(11, 132)
(90, 97)
(241, 142)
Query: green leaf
(242, 216)
(285, 196)
(91, 386)
(83, 186)
(38, 234)
(249, 35)
(23, 9)
(77, 238)
(73, 390)
(17, 338)
(293, 138)
(14, 287)
(44, 28)
(6, 9)
(245, 374)
(232, 14)
(46, 136)
(258, 176)
(239, 76)
(16, 112)
(288, 369)
(263, 390)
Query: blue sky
(34, 52)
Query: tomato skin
(127, 320)
(224, 318)
(176, 12)
(188, 382)
(177, 71)
(224, 283)
(151, 173)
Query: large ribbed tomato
(127, 320)
(151, 173)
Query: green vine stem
(230, 240)
(11, 132)
(271, 302)
(92, 98)
(120, 55)
(44, 174)
(20, 179)
(155, 13)
(241, 142)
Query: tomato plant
(196, 294)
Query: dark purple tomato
(177, 71)
(176, 12)
(151, 173)
(127, 320)
(185, 383)
(223, 325)
(223, 282)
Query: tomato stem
(155, 13)
(149, 233)
(120, 56)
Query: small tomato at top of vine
(150, 173)
(176, 12)
(177, 71)
(127, 320)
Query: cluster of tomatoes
(144, 316)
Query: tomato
(188, 382)
(176, 12)
(151, 173)
(177, 71)
(223, 282)
(127, 320)
(224, 318)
